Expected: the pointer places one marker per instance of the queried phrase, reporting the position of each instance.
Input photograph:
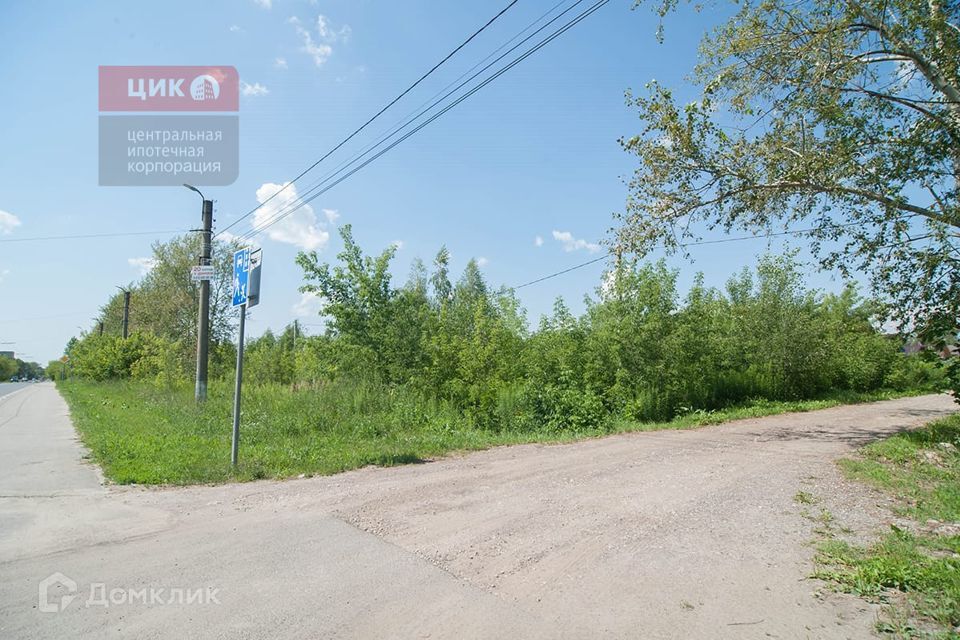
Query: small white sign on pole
(202, 272)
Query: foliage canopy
(838, 116)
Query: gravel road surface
(669, 534)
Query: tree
(164, 302)
(28, 369)
(357, 296)
(840, 116)
(442, 289)
(8, 368)
(55, 369)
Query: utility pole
(126, 310)
(203, 322)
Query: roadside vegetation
(440, 364)
(143, 434)
(15, 368)
(914, 570)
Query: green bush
(638, 352)
(112, 357)
(917, 372)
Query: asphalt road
(691, 534)
(10, 387)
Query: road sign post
(235, 441)
(246, 292)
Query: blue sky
(532, 154)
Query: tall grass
(141, 433)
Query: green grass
(917, 469)
(921, 567)
(759, 408)
(141, 434)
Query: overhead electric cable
(685, 244)
(376, 115)
(432, 101)
(94, 235)
(305, 200)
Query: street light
(98, 323)
(126, 310)
(193, 188)
(203, 322)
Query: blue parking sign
(241, 272)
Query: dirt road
(671, 534)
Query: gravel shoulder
(670, 534)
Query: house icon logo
(56, 592)
(204, 87)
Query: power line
(94, 235)
(685, 244)
(560, 273)
(305, 200)
(50, 317)
(377, 114)
(560, 31)
(424, 107)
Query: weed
(923, 567)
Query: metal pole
(234, 449)
(126, 312)
(203, 331)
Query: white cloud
(8, 222)
(308, 305)
(574, 244)
(320, 50)
(3, 274)
(331, 214)
(537, 241)
(398, 244)
(300, 228)
(482, 262)
(236, 29)
(228, 237)
(280, 63)
(144, 265)
(329, 34)
(255, 89)
(263, 4)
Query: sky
(524, 176)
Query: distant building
(911, 347)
